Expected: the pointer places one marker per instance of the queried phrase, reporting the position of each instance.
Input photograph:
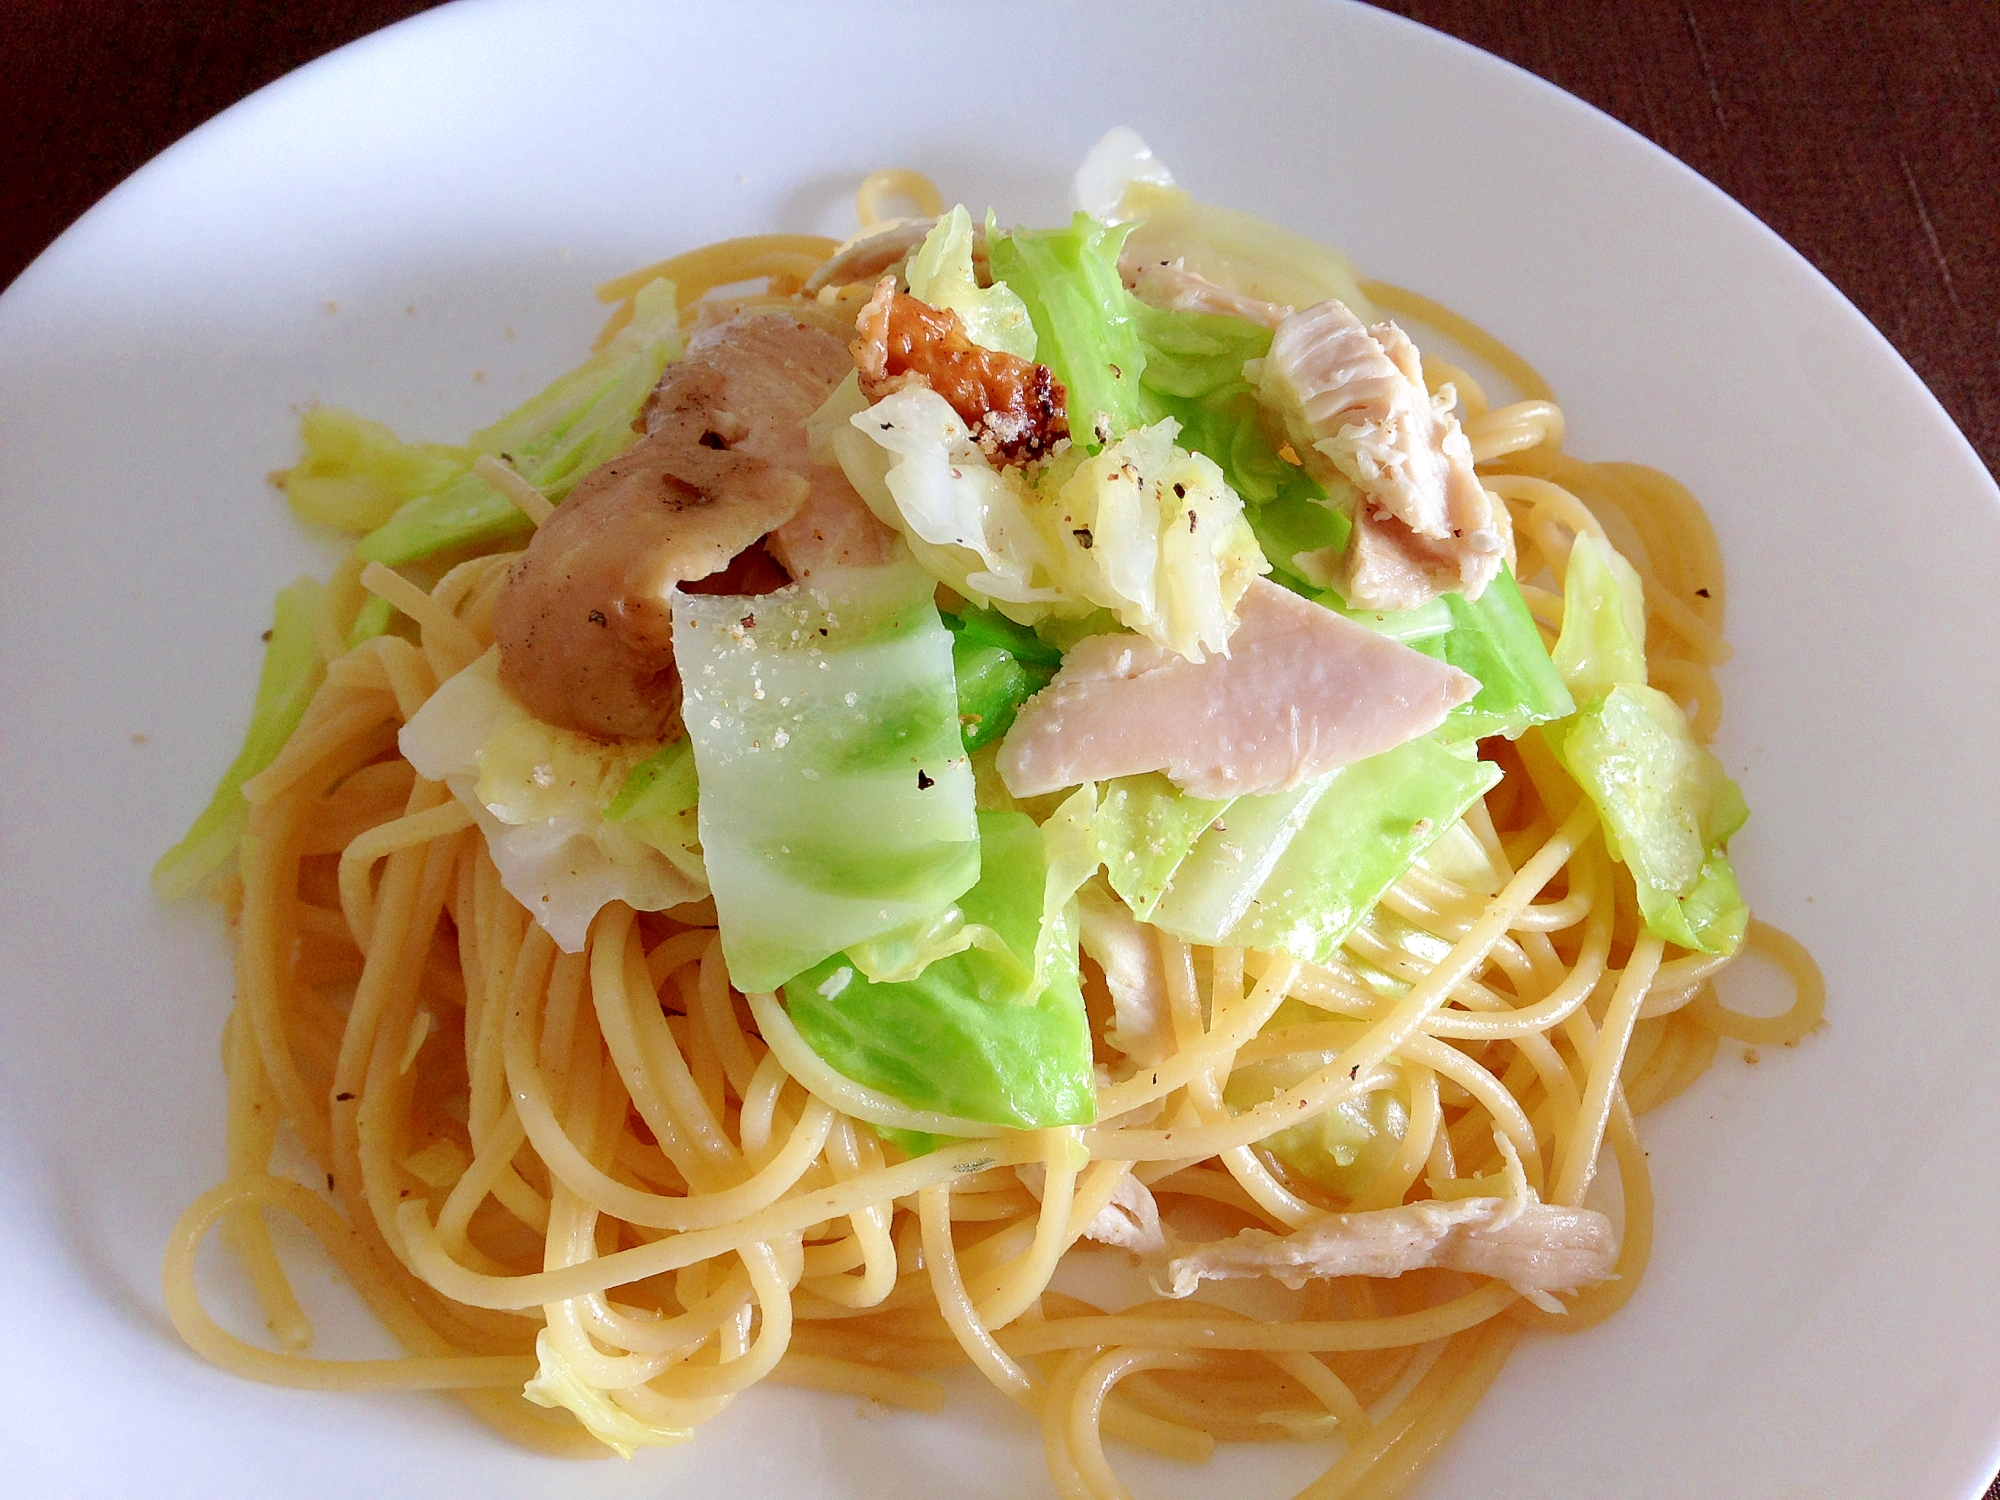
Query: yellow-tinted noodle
(619, 1152)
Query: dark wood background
(1866, 132)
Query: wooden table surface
(1866, 132)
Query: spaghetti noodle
(615, 1156)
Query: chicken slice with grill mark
(584, 620)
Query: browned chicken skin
(585, 619)
(1014, 408)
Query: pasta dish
(931, 766)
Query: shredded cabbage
(1145, 529)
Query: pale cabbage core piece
(538, 794)
(1142, 528)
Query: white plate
(413, 225)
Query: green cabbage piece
(1342, 1148)
(1371, 823)
(1212, 889)
(1668, 810)
(1298, 521)
(1603, 640)
(1145, 827)
(291, 674)
(1295, 870)
(1493, 638)
(1085, 329)
(941, 274)
(1194, 374)
(1194, 356)
(1667, 806)
(660, 802)
(1421, 622)
(957, 1038)
(557, 1384)
(999, 665)
(357, 473)
(582, 420)
(836, 795)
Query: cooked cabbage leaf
(836, 794)
(1212, 890)
(1145, 827)
(1194, 374)
(941, 274)
(1341, 1148)
(1143, 529)
(1238, 250)
(659, 802)
(1372, 822)
(291, 674)
(540, 795)
(1292, 870)
(1667, 806)
(1668, 810)
(1603, 640)
(357, 473)
(1494, 639)
(554, 439)
(1085, 327)
(957, 1039)
(999, 665)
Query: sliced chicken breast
(1302, 691)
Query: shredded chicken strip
(1129, 954)
(1536, 1248)
(1353, 399)
(1171, 286)
(1302, 692)
(1130, 1221)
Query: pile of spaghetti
(601, 1178)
